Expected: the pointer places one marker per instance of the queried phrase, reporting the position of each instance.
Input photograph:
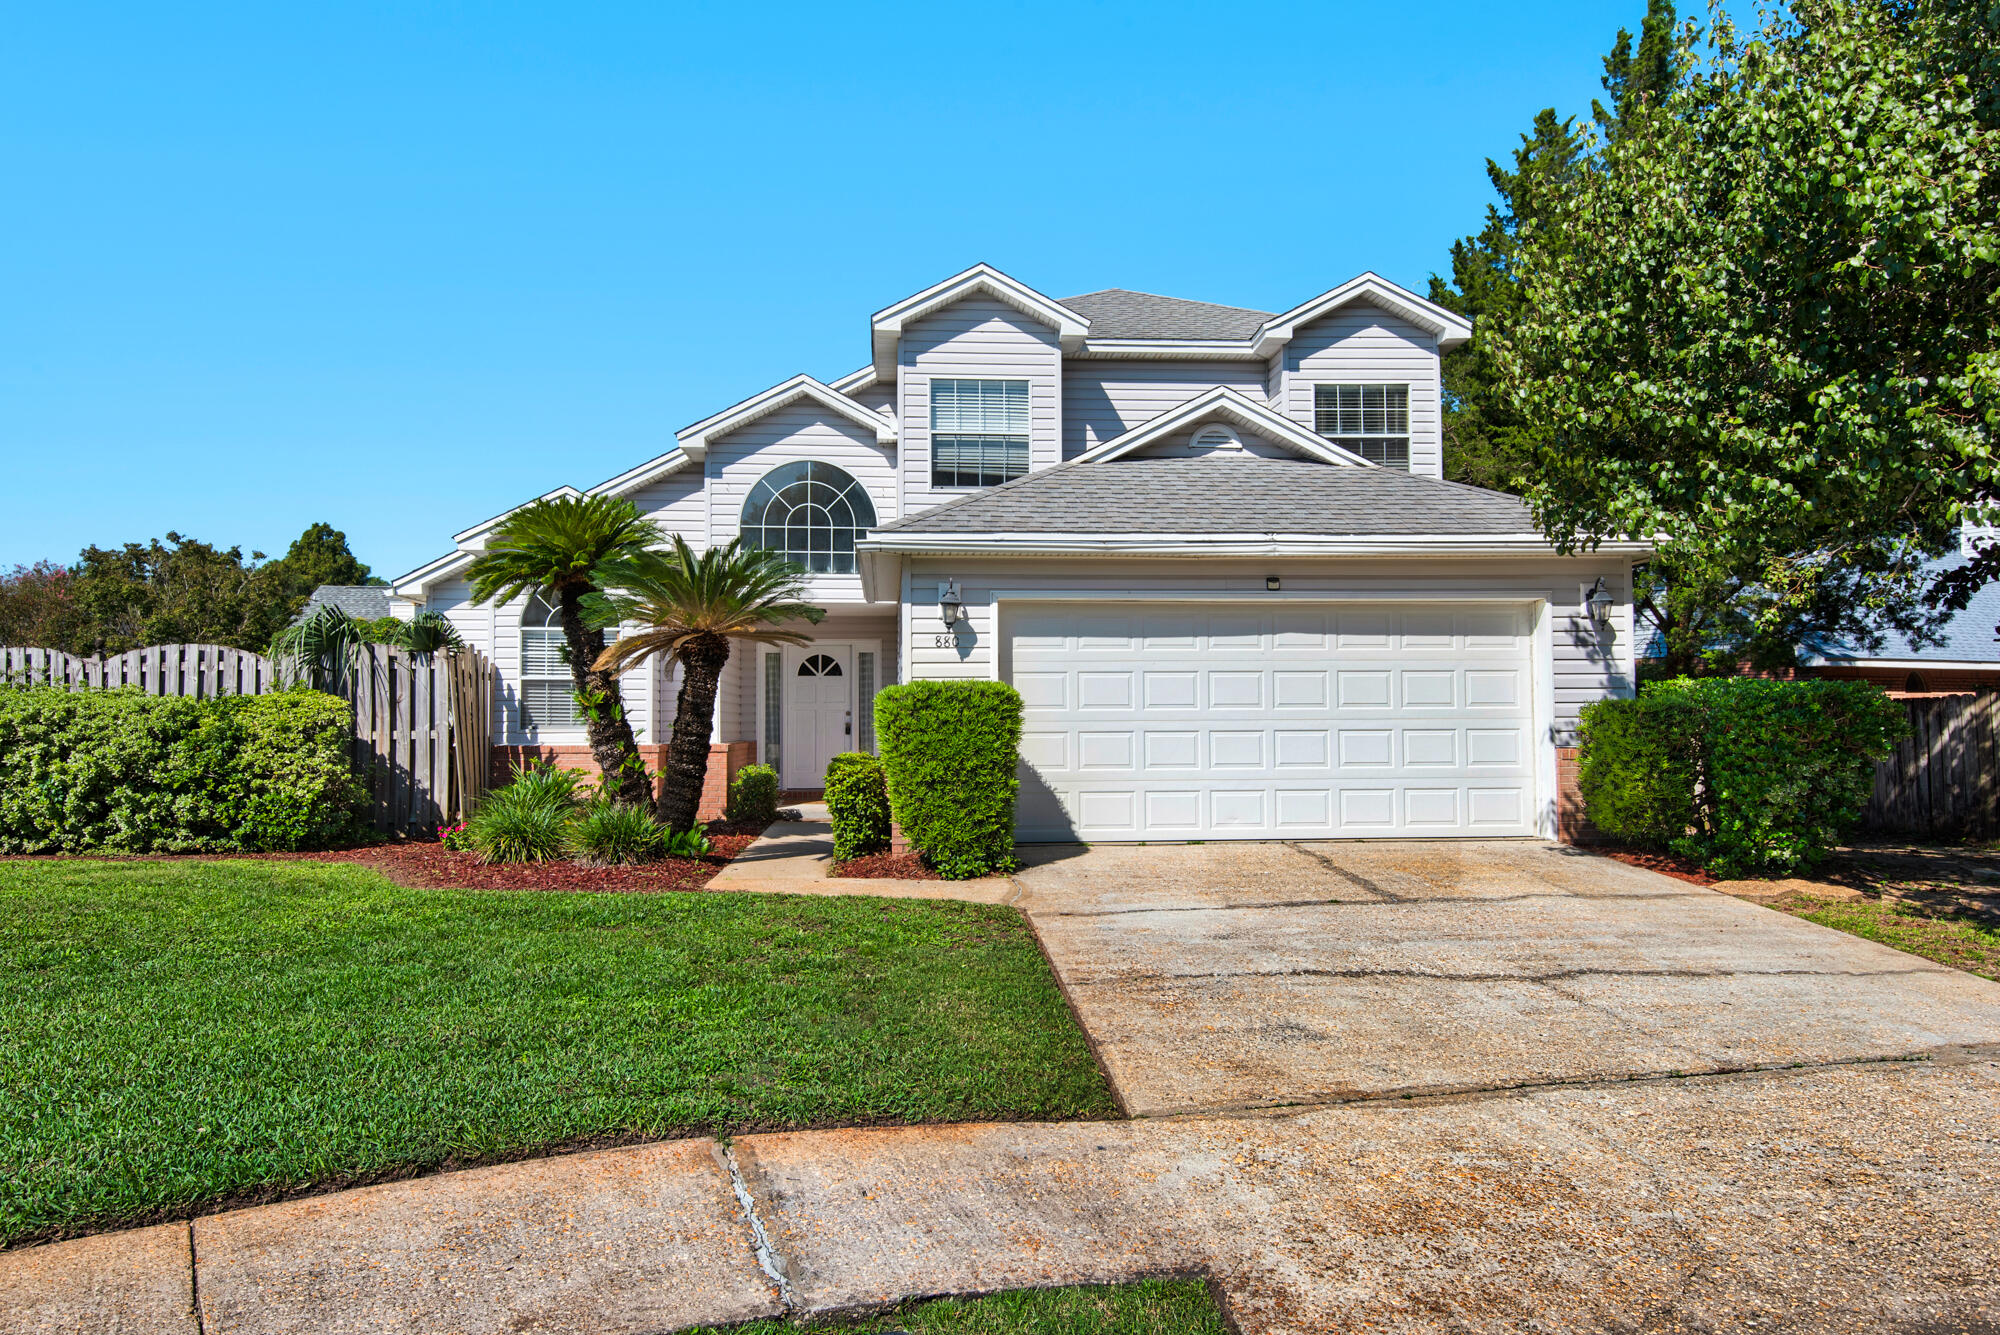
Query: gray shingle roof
(1117, 313)
(365, 601)
(1968, 636)
(1228, 495)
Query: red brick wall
(1571, 826)
(724, 759)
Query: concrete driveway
(1225, 976)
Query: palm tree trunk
(702, 660)
(612, 745)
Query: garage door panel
(1189, 721)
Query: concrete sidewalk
(796, 858)
(1838, 1199)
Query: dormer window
(979, 432)
(1373, 421)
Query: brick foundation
(724, 759)
(1571, 825)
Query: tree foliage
(690, 609)
(554, 549)
(1761, 322)
(176, 590)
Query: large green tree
(1761, 323)
(553, 549)
(691, 608)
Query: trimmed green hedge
(950, 749)
(1747, 776)
(118, 771)
(753, 794)
(857, 802)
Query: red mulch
(1664, 863)
(886, 867)
(428, 865)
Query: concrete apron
(795, 857)
(1837, 1199)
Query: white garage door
(1186, 721)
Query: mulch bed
(885, 867)
(425, 864)
(1664, 863)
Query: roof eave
(1234, 544)
(695, 439)
(887, 324)
(1448, 327)
(1246, 411)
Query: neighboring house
(1966, 658)
(1211, 546)
(363, 602)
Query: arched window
(812, 512)
(548, 696)
(1915, 682)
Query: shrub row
(544, 815)
(950, 750)
(1747, 776)
(119, 771)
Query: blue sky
(398, 267)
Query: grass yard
(1153, 1307)
(1953, 941)
(178, 1035)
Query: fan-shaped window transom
(812, 512)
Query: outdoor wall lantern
(951, 603)
(1599, 603)
(1273, 583)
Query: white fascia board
(888, 323)
(1246, 412)
(1450, 328)
(855, 380)
(1908, 664)
(481, 529)
(1233, 544)
(652, 470)
(417, 583)
(1166, 349)
(694, 439)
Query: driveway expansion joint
(1556, 976)
(769, 1259)
(194, 1283)
(1351, 877)
(1425, 902)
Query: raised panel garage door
(1186, 721)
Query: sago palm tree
(554, 548)
(693, 608)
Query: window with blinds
(979, 432)
(548, 697)
(1371, 420)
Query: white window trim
(1355, 441)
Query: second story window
(1371, 420)
(979, 432)
(812, 512)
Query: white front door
(818, 711)
(1178, 721)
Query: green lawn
(173, 1035)
(1154, 1307)
(1953, 941)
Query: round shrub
(607, 834)
(857, 802)
(951, 751)
(753, 795)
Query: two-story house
(1212, 547)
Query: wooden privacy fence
(1940, 783)
(422, 727)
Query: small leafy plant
(686, 843)
(455, 838)
(608, 834)
(857, 802)
(753, 794)
(529, 819)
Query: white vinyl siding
(976, 339)
(1104, 400)
(1364, 345)
(979, 432)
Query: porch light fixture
(951, 603)
(1272, 583)
(1599, 605)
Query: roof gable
(1236, 408)
(695, 439)
(889, 323)
(1450, 328)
